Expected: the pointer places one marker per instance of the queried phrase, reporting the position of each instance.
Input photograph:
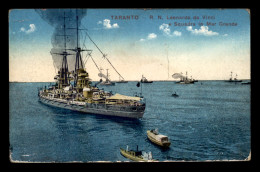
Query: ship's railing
(113, 107)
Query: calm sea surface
(210, 120)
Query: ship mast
(80, 75)
(64, 60)
(78, 63)
(78, 50)
(64, 71)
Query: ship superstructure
(73, 89)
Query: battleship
(183, 79)
(233, 80)
(73, 89)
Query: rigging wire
(95, 63)
(104, 55)
(87, 57)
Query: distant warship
(82, 96)
(183, 79)
(233, 80)
(107, 81)
(121, 81)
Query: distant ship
(107, 81)
(144, 80)
(233, 80)
(183, 79)
(82, 96)
(121, 80)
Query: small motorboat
(246, 83)
(144, 80)
(158, 139)
(175, 95)
(136, 155)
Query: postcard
(127, 85)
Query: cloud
(204, 30)
(225, 35)
(30, 30)
(189, 28)
(177, 33)
(150, 36)
(107, 25)
(165, 28)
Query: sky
(206, 43)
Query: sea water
(210, 120)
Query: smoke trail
(55, 17)
(177, 75)
(104, 76)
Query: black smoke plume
(55, 17)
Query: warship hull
(98, 109)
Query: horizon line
(135, 80)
